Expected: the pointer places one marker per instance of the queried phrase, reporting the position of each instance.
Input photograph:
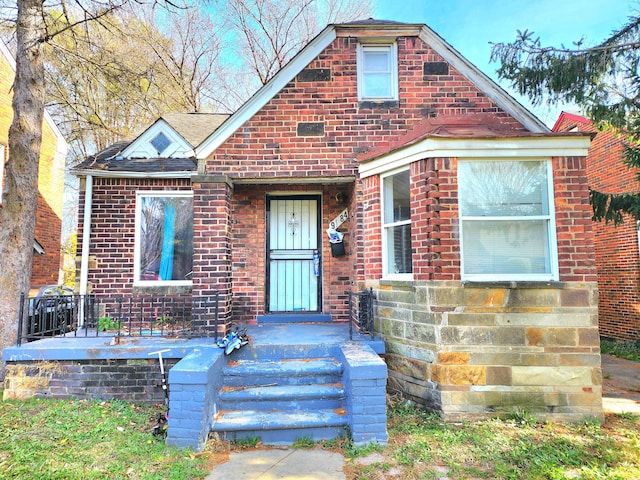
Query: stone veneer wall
(477, 350)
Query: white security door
(293, 283)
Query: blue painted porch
(291, 381)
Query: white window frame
(392, 50)
(550, 218)
(384, 226)
(137, 282)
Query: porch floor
(106, 345)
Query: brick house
(616, 247)
(465, 214)
(46, 267)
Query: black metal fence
(361, 312)
(115, 316)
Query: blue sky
(469, 25)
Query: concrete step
(280, 427)
(283, 397)
(282, 372)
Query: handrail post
(20, 319)
(216, 312)
(350, 315)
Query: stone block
(572, 297)
(589, 337)
(533, 297)
(471, 319)
(467, 375)
(420, 333)
(498, 375)
(407, 366)
(552, 337)
(484, 297)
(453, 358)
(549, 376)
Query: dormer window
(160, 142)
(377, 72)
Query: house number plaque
(340, 219)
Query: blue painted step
(281, 427)
(283, 397)
(287, 371)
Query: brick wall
(268, 145)
(136, 380)
(616, 248)
(112, 240)
(249, 256)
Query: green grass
(513, 448)
(627, 350)
(77, 439)
(69, 439)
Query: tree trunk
(20, 196)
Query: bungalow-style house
(46, 267)
(616, 247)
(467, 217)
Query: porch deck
(107, 346)
(293, 403)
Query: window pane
(396, 198)
(377, 85)
(499, 247)
(166, 238)
(503, 188)
(376, 62)
(399, 249)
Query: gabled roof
(368, 28)
(571, 117)
(133, 157)
(195, 127)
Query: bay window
(164, 238)
(507, 220)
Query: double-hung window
(164, 238)
(377, 72)
(507, 220)
(396, 224)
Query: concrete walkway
(620, 385)
(281, 464)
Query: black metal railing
(115, 316)
(361, 312)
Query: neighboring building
(46, 269)
(464, 213)
(616, 247)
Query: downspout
(86, 236)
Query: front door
(293, 282)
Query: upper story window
(164, 238)
(396, 224)
(507, 220)
(377, 72)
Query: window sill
(160, 288)
(378, 104)
(513, 284)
